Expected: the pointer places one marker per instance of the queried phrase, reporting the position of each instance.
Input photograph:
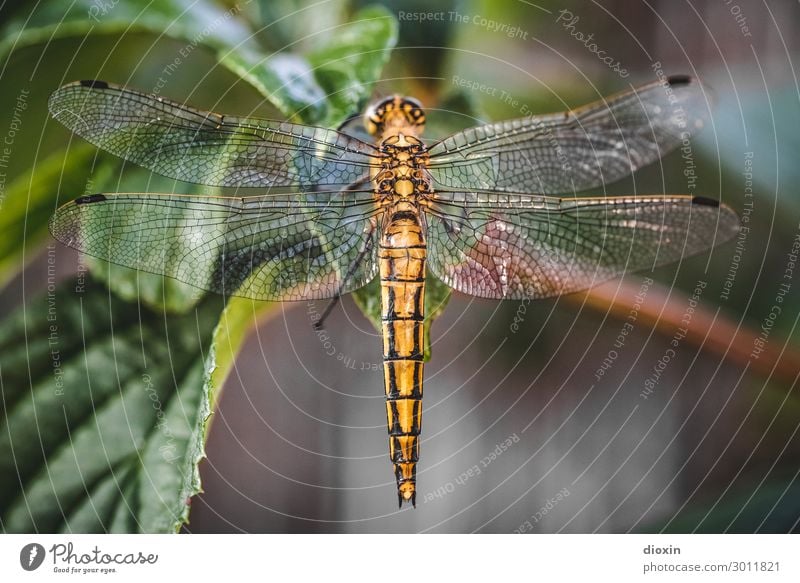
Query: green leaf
(156, 291)
(288, 22)
(285, 79)
(322, 87)
(332, 81)
(437, 294)
(153, 290)
(348, 65)
(31, 199)
(199, 22)
(368, 299)
(105, 433)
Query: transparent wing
(506, 246)
(208, 148)
(575, 150)
(293, 247)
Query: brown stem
(664, 308)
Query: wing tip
(680, 80)
(90, 198)
(728, 221)
(59, 101)
(704, 201)
(93, 84)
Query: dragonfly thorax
(403, 171)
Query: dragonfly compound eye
(373, 118)
(412, 110)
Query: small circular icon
(31, 556)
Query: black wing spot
(94, 84)
(90, 198)
(679, 80)
(702, 200)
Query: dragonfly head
(394, 114)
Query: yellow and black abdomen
(402, 272)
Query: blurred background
(550, 425)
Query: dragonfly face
(491, 211)
(395, 114)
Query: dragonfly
(491, 211)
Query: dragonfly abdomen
(402, 271)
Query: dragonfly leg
(351, 271)
(319, 323)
